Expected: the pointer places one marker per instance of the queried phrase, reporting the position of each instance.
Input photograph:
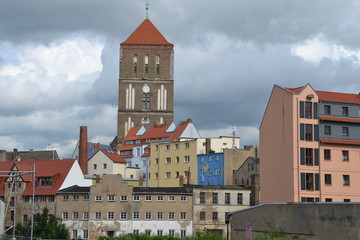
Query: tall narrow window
(308, 132)
(157, 65)
(146, 64)
(146, 101)
(308, 109)
(327, 110)
(345, 111)
(135, 63)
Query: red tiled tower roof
(146, 34)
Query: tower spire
(147, 8)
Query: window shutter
(317, 182)
(302, 131)
(316, 132)
(303, 199)
(302, 181)
(302, 109)
(302, 156)
(316, 156)
(315, 110)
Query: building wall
(300, 221)
(210, 169)
(243, 175)
(100, 159)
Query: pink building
(310, 146)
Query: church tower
(146, 82)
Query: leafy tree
(46, 226)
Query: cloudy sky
(59, 62)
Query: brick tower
(146, 82)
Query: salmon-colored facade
(309, 153)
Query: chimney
(181, 181)
(141, 181)
(15, 153)
(189, 120)
(247, 147)
(207, 145)
(2, 155)
(83, 151)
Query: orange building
(310, 146)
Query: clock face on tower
(146, 88)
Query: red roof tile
(339, 97)
(179, 130)
(114, 156)
(295, 90)
(146, 34)
(338, 141)
(340, 119)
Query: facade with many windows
(313, 139)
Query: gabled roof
(57, 169)
(146, 34)
(113, 156)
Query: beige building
(112, 208)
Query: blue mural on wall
(211, 169)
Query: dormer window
(45, 182)
(135, 63)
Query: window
(98, 198)
(227, 198)
(177, 159)
(183, 199)
(186, 159)
(160, 215)
(75, 215)
(135, 63)
(309, 181)
(172, 232)
(148, 198)
(215, 216)
(217, 172)
(74, 234)
(187, 145)
(136, 215)
(65, 197)
(327, 110)
(183, 216)
(156, 175)
(85, 234)
(345, 131)
(136, 231)
(156, 161)
(345, 111)
(171, 216)
(239, 198)
(328, 199)
(148, 215)
(148, 232)
(65, 215)
(95, 166)
(97, 215)
(157, 60)
(308, 109)
(146, 62)
(327, 130)
(76, 197)
(171, 198)
(202, 198)
(105, 166)
(176, 146)
(85, 215)
(25, 219)
(111, 198)
(136, 198)
(183, 233)
(327, 179)
(177, 174)
(123, 198)
(346, 180)
(186, 174)
(123, 215)
(160, 198)
(309, 156)
(210, 172)
(215, 198)
(345, 155)
(202, 216)
(146, 101)
(327, 154)
(159, 232)
(168, 160)
(347, 200)
(111, 215)
(308, 132)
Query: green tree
(46, 226)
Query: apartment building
(309, 142)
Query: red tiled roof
(146, 34)
(179, 130)
(340, 119)
(114, 156)
(127, 156)
(295, 90)
(338, 141)
(57, 169)
(339, 97)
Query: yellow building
(173, 163)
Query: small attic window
(310, 96)
(45, 182)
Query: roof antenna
(147, 8)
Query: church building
(146, 81)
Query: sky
(59, 62)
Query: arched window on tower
(146, 101)
(146, 65)
(157, 65)
(135, 63)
